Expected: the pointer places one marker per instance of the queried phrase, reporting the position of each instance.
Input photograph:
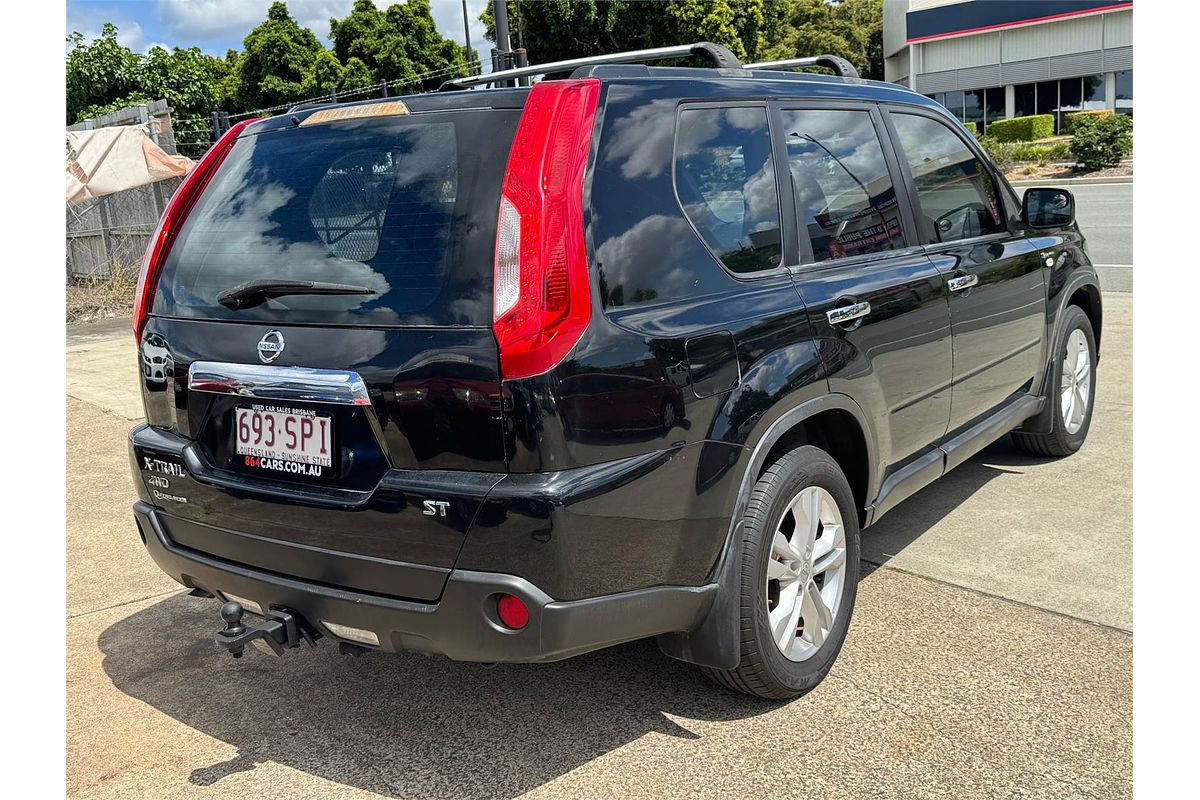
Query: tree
(99, 73)
(277, 61)
(562, 29)
(399, 43)
(754, 30)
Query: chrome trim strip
(264, 382)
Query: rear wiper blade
(253, 293)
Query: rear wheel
(1072, 392)
(799, 576)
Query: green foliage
(1008, 154)
(104, 76)
(852, 29)
(279, 57)
(1077, 119)
(399, 43)
(1022, 129)
(1103, 142)
(754, 30)
(99, 73)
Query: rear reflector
(172, 220)
(543, 297)
(512, 611)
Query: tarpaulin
(108, 160)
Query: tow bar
(280, 630)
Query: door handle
(960, 282)
(843, 314)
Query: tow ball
(280, 630)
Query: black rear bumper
(462, 624)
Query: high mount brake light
(176, 212)
(543, 297)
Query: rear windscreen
(404, 206)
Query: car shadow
(404, 725)
(908, 521)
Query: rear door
(995, 276)
(379, 388)
(876, 303)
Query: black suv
(514, 374)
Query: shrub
(973, 127)
(1077, 119)
(1003, 154)
(1042, 153)
(1103, 142)
(1022, 129)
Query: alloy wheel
(1076, 384)
(806, 573)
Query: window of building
(844, 194)
(957, 195)
(1047, 97)
(1124, 81)
(1070, 97)
(993, 105)
(1025, 95)
(973, 108)
(1093, 92)
(725, 177)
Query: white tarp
(108, 160)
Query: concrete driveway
(990, 656)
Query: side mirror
(1048, 208)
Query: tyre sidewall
(814, 468)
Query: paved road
(989, 657)
(1105, 214)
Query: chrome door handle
(962, 282)
(841, 314)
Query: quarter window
(725, 178)
(844, 194)
(957, 194)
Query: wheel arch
(840, 424)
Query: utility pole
(502, 55)
(467, 35)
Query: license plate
(282, 437)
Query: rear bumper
(462, 624)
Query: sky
(217, 25)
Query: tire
(1066, 435)
(764, 670)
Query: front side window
(956, 193)
(725, 178)
(844, 194)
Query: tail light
(172, 220)
(542, 295)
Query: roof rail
(718, 55)
(839, 65)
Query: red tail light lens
(542, 296)
(172, 219)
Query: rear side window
(957, 194)
(405, 206)
(725, 178)
(844, 194)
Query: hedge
(1022, 129)
(1077, 119)
(1103, 142)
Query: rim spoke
(786, 616)
(777, 570)
(1069, 405)
(781, 547)
(817, 617)
(831, 559)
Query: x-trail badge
(270, 346)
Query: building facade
(992, 59)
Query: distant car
(518, 374)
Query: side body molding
(715, 641)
